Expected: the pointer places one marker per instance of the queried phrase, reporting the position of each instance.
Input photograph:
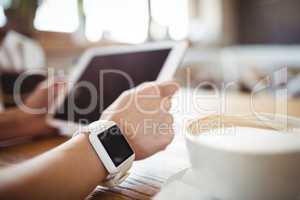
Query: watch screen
(115, 145)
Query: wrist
(120, 123)
(112, 149)
(82, 149)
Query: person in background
(16, 123)
(72, 170)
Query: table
(148, 176)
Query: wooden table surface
(148, 176)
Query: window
(125, 20)
(57, 15)
(4, 4)
(2, 17)
(118, 20)
(172, 14)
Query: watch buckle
(115, 179)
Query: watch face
(116, 145)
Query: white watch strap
(93, 127)
(115, 179)
(112, 179)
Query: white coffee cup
(246, 158)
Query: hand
(143, 116)
(43, 97)
(37, 105)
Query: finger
(166, 137)
(149, 89)
(60, 87)
(148, 105)
(49, 91)
(169, 119)
(166, 104)
(164, 122)
(56, 86)
(169, 88)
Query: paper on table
(182, 186)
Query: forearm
(71, 171)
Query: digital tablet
(102, 74)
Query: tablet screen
(105, 78)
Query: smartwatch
(112, 149)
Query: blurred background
(230, 40)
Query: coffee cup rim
(261, 121)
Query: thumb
(51, 90)
(59, 87)
(169, 88)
